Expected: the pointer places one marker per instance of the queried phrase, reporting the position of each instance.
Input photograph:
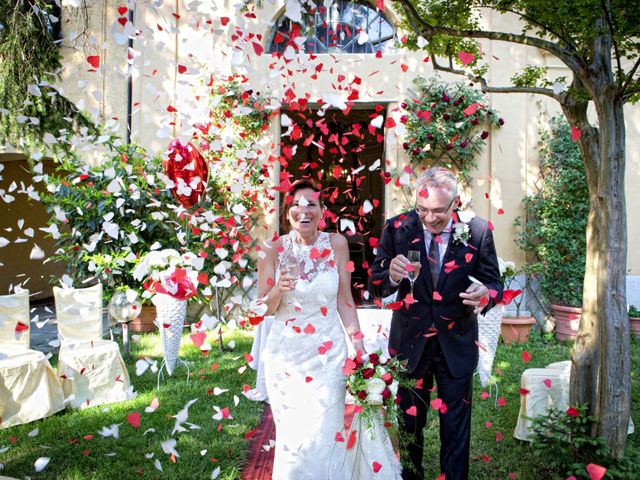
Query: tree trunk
(601, 367)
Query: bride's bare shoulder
(270, 248)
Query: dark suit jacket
(456, 324)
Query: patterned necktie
(434, 259)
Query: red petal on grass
(526, 356)
(198, 338)
(134, 419)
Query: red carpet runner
(260, 460)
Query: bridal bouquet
(168, 271)
(373, 382)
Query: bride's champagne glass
(291, 267)
(414, 257)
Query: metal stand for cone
(161, 370)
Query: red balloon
(189, 171)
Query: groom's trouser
(455, 421)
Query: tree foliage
(599, 43)
(30, 62)
(554, 226)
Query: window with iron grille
(344, 27)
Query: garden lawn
(77, 450)
(495, 454)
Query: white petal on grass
(41, 463)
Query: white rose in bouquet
(393, 388)
(375, 386)
(374, 399)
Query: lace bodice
(311, 259)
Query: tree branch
(428, 30)
(485, 87)
(535, 90)
(630, 78)
(607, 16)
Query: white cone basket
(171, 314)
(488, 333)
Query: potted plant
(515, 326)
(553, 233)
(634, 320)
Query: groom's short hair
(438, 177)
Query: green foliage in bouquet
(447, 124)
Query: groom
(436, 331)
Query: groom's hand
(398, 268)
(474, 297)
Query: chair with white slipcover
(91, 369)
(29, 388)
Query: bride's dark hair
(288, 200)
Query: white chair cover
(29, 388)
(14, 309)
(547, 388)
(91, 369)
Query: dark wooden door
(344, 155)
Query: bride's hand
(287, 283)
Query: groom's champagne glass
(414, 257)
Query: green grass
(492, 459)
(201, 450)
(60, 437)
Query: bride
(304, 281)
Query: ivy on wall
(33, 113)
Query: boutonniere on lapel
(461, 231)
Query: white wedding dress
(303, 360)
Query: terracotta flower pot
(144, 322)
(516, 329)
(634, 323)
(567, 321)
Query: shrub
(554, 230)
(104, 217)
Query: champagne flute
(291, 267)
(414, 257)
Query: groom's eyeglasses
(436, 211)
